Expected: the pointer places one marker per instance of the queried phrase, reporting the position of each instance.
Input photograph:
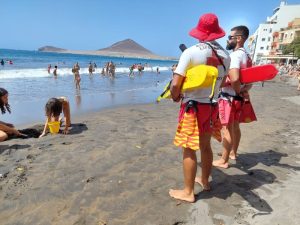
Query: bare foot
(206, 187)
(232, 156)
(220, 163)
(182, 195)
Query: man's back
(202, 54)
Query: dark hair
(243, 30)
(3, 106)
(53, 107)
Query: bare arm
(45, 128)
(234, 75)
(223, 83)
(67, 114)
(176, 86)
(9, 130)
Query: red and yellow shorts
(193, 121)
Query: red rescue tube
(258, 73)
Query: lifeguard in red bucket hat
(198, 112)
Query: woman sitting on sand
(6, 128)
(54, 107)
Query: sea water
(30, 86)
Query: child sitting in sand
(53, 109)
(6, 129)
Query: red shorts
(229, 112)
(206, 115)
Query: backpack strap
(249, 57)
(219, 58)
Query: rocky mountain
(127, 46)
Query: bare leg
(3, 136)
(235, 140)
(227, 146)
(206, 161)
(189, 172)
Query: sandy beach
(117, 165)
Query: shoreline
(118, 165)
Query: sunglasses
(233, 36)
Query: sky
(158, 25)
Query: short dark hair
(243, 30)
(3, 106)
(53, 107)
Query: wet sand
(117, 166)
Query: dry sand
(117, 166)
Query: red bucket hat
(208, 28)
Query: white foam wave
(42, 72)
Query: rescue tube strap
(219, 58)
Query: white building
(260, 43)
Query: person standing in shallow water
(55, 71)
(77, 78)
(49, 69)
(203, 110)
(2, 62)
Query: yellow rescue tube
(201, 76)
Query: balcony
(275, 34)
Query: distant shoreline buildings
(280, 29)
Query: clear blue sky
(158, 25)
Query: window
(285, 36)
(263, 39)
(268, 47)
(270, 30)
(261, 48)
(269, 39)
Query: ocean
(30, 86)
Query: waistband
(231, 97)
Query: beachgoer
(55, 71)
(10, 62)
(197, 104)
(6, 129)
(157, 70)
(95, 65)
(90, 69)
(112, 69)
(77, 78)
(233, 94)
(131, 70)
(49, 69)
(54, 107)
(103, 71)
(2, 62)
(140, 68)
